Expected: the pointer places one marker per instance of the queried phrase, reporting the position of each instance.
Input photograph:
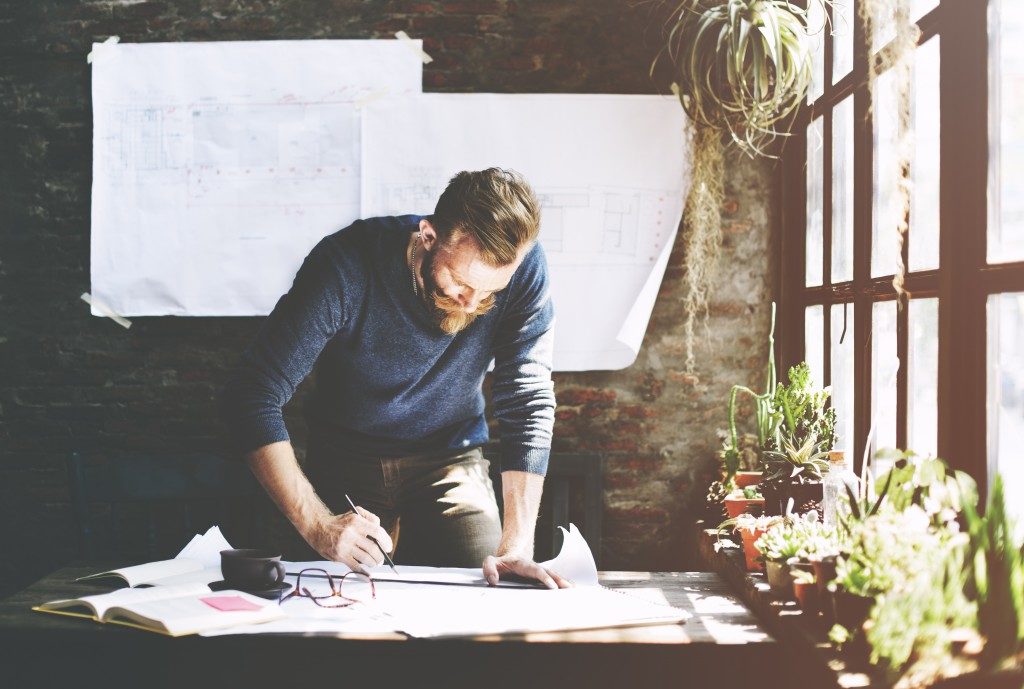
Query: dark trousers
(439, 510)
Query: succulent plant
(792, 464)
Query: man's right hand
(346, 538)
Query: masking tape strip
(402, 36)
(372, 96)
(110, 41)
(106, 310)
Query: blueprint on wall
(610, 171)
(217, 166)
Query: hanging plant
(741, 69)
(897, 56)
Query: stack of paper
(198, 562)
(438, 602)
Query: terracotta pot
(806, 594)
(851, 610)
(779, 578)
(824, 572)
(750, 553)
(735, 506)
(747, 478)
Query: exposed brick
(461, 42)
(637, 411)
(563, 414)
(474, 7)
(577, 396)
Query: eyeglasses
(351, 588)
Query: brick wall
(69, 380)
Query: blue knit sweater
(389, 382)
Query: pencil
(382, 552)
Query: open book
(170, 610)
(197, 563)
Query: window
(1004, 253)
(942, 372)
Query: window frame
(963, 281)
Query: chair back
(149, 504)
(573, 492)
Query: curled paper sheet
(574, 561)
(610, 212)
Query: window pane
(919, 8)
(814, 342)
(842, 38)
(886, 24)
(923, 251)
(885, 201)
(923, 376)
(817, 29)
(883, 373)
(842, 375)
(815, 195)
(885, 27)
(842, 191)
(1006, 393)
(1006, 127)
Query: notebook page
(189, 614)
(150, 571)
(104, 601)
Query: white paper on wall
(611, 172)
(217, 166)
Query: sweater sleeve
(282, 354)
(522, 391)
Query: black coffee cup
(251, 569)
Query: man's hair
(495, 207)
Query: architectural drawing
(218, 166)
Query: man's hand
(346, 538)
(497, 566)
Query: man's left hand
(497, 566)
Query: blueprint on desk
(218, 165)
(611, 173)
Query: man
(408, 312)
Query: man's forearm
(278, 471)
(521, 493)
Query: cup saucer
(272, 592)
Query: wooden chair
(174, 496)
(573, 491)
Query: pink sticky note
(229, 603)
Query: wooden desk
(722, 645)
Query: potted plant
(748, 468)
(885, 549)
(788, 546)
(805, 590)
(741, 69)
(778, 544)
(795, 461)
(744, 501)
(750, 528)
(794, 473)
(740, 454)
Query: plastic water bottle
(834, 486)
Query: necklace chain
(412, 267)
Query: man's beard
(451, 316)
